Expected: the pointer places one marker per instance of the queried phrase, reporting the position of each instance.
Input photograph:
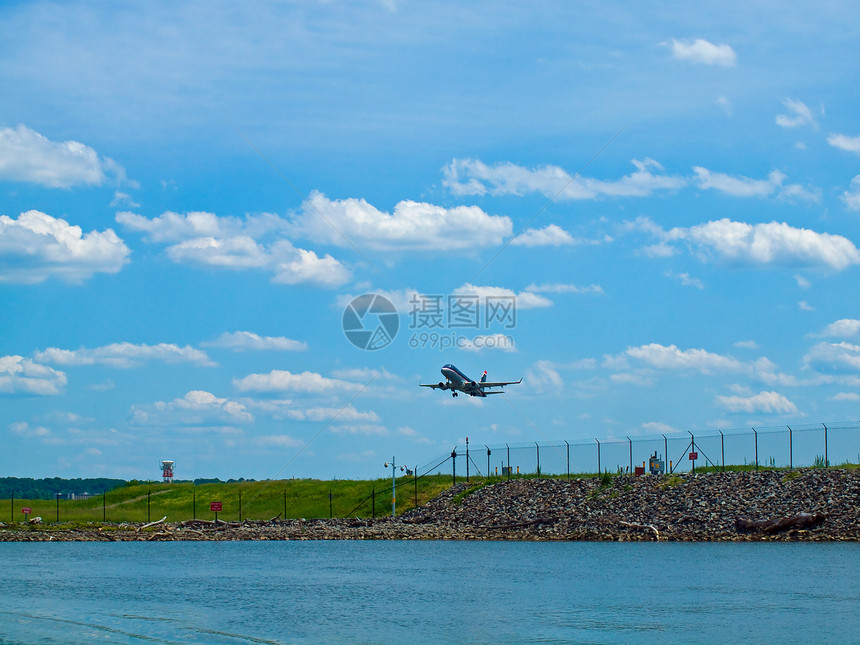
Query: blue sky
(192, 193)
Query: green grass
(307, 498)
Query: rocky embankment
(814, 505)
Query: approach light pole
(393, 486)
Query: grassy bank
(262, 500)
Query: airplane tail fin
(484, 377)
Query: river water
(428, 592)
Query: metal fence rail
(793, 446)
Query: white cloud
(833, 358)
(772, 243)
(285, 381)
(205, 239)
(124, 355)
(543, 376)
(19, 375)
(746, 344)
(843, 328)
(277, 441)
(524, 299)
(741, 186)
(805, 306)
(23, 429)
(28, 156)
(704, 52)
(321, 414)
(845, 396)
(670, 357)
(413, 226)
(802, 282)
(550, 235)
(767, 402)
(196, 408)
(798, 114)
(473, 177)
(246, 340)
(563, 288)
(686, 280)
(843, 142)
(489, 341)
(36, 247)
(851, 197)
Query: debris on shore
(797, 505)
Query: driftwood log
(801, 521)
(146, 526)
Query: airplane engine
(472, 383)
(442, 386)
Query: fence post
(692, 449)
(722, 450)
(790, 450)
(467, 460)
(488, 465)
(454, 466)
(665, 453)
(756, 448)
(568, 459)
(537, 447)
(509, 460)
(630, 467)
(826, 458)
(598, 455)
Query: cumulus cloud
(412, 226)
(851, 197)
(285, 381)
(277, 441)
(26, 155)
(19, 375)
(473, 177)
(488, 341)
(844, 142)
(663, 357)
(704, 52)
(36, 247)
(124, 355)
(256, 242)
(563, 288)
(798, 114)
(524, 299)
(246, 340)
(196, 408)
(767, 402)
(768, 244)
(741, 186)
(843, 328)
(551, 235)
(833, 358)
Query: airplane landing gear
(454, 394)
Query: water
(428, 592)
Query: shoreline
(800, 505)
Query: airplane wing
(434, 385)
(499, 384)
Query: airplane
(458, 382)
